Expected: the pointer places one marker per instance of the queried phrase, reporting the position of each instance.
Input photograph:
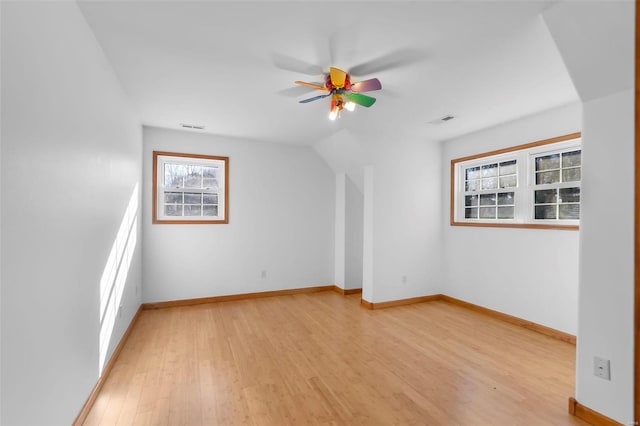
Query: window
(190, 188)
(536, 185)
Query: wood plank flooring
(321, 359)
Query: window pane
(547, 177)
(192, 198)
(472, 173)
(487, 199)
(508, 168)
(508, 181)
(490, 183)
(210, 183)
(194, 177)
(490, 170)
(505, 212)
(569, 211)
(571, 175)
(173, 197)
(210, 198)
(472, 185)
(487, 212)
(506, 198)
(209, 172)
(210, 211)
(174, 175)
(190, 210)
(571, 159)
(172, 210)
(548, 162)
(569, 195)
(546, 212)
(546, 196)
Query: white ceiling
(231, 65)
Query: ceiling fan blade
(295, 65)
(315, 98)
(366, 86)
(363, 100)
(317, 86)
(391, 60)
(337, 77)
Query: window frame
(223, 194)
(525, 154)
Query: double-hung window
(190, 188)
(536, 185)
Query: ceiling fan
(344, 94)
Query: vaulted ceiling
(230, 66)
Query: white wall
(607, 256)
(528, 273)
(339, 238)
(281, 220)
(405, 237)
(596, 40)
(71, 158)
(354, 212)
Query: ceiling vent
(442, 120)
(192, 126)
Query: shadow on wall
(115, 275)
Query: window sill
(518, 225)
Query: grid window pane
(508, 168)
(569, 195)
(572, 159)
(544, 178)
(471, 200)
(210, 198)
(548, 162)
(173, 197)
(487, 212)
(490, 183)
(546, 196)
(506, 198)
(192, 198)
(172, 210)
(571, 175)
(506, 212)
(472, 185)
(210, 210)
(174, 175)
(546, 212)
(472, 173)
(490, 170)
(471, 213)
(488, 199)
(192, 210)
(569, 211)
(508, 181)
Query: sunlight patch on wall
(114, 276)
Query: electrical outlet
(404, 279)
(264, 274)
(602, 368)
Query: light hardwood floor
(322, 359)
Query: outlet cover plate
(602, 368)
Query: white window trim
(524, 192)
(161, 158)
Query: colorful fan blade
(366, 86)
(312, 85)
(315, 98)
(364, 100)
(337, 77)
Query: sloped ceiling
(230, 66)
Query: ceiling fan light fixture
(333, 114)
(350, 106)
